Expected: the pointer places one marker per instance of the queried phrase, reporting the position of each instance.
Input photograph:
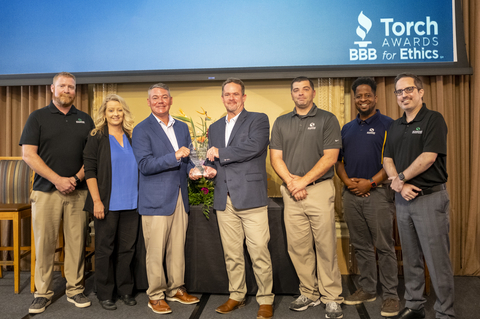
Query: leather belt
(431, 190)
(316, 182)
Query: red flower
(204, 190)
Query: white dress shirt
(168, 129)
(229, 127)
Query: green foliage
(198, 131)
(200, 192)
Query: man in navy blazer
(237, 153)
(160, 145)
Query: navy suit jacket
(241, 168)
(161, 175)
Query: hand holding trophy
(198, 156)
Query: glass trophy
(198, 155)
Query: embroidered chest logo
(418, 130)
(311, 126)
(80, 121)
(371, 131)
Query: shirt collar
(370, 119)
(420, 115)
(233, 120)
(171, 120)
(53, 109)
(312, 112)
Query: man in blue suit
(160, 145)
(238, 149)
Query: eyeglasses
(407, 90)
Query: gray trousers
(370, 224)
(423, 224)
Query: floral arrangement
(200, 192)
(199, 131)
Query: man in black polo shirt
(415, 161)
(52, 144)
(367, 202)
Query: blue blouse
(124, 194)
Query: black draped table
(205, 265)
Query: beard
(64, 100)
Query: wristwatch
(401, 177)
(77, 180)
(373, 183)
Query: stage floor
(467, 291)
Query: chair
(16, 180)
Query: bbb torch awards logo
(363, 52)
(403, 41)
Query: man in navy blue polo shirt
(415, 161)
(367, 202)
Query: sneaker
(333, 310)
(359, 297)
(80, 300)
(39, 304)
(390, 307)
(302, 303)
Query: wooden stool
(15, 213)
(16, 180)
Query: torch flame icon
(363, 29)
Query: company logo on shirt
(311, 126)
(371, 131)
(80, 121)
(418, 130)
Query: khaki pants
(48, 209)
(165, 236)
(252, 224)
(310, 226)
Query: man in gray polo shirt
(304, 147)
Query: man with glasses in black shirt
(415, 161)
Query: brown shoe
(390, 307)
(265, 312)
(159, 306)
(230, 306)
(183, 297)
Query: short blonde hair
(64, 74)
(100, 119)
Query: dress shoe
(230, 306)
(183, 297)
(129, 300)
(265, 312)
(159, 306)
(108, 304)
(408, 313)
